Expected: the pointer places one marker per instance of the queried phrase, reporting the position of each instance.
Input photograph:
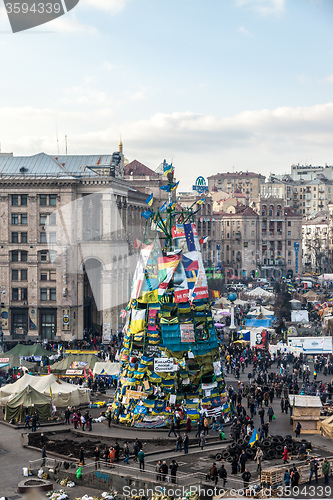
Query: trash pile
(272, 448)
(57, 495)
(66, 482)
(104, 496)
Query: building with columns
(67, 232)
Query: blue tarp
(266, 323)
(171, 338)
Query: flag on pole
(150, 200)
(216, 294)
(167, 169)
(90, 373)
(200, 202)
(166, 188)
(146, 214)
(174, 186)
(49, 370)
(51, 392)
(84, 372)
(203, 240)
(254, 437)
(122, 313)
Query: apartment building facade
(67, 234)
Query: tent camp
(106, 369)
(326, 427)
(74, 365)
(63, 393)
(22, 350)
(260, 293)
(262, 310)
(28, 401)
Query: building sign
(135, 394)
(4, 318)
(187, 333)
(163, 365)
(74, 372)
(4, 360)
(200, 185)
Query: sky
(211, 85)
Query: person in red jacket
(285, 455)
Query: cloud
(262, 6)
(68, 24)
(262, 140)
(244, 31)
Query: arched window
(271, 211)
(278, 210)
(264, 210)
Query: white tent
(63, 393)
(106, 368)
(260, 293)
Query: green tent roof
(29, 350)
(66, 364)
(28, 401)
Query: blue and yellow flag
(254, 437)
(167, 168)
(175, 185)
(150, 200)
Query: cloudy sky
(213, 85)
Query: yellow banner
(80, 351)
(135, 394)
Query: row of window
(44, 200)
(44, 255)
(22, 275)
(22, 219)
(46, 294)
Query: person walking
(261, 414)
(313, 470)
(33, 423)
(158, 471)
(141, 458)
(27, 421)
(173, 470)
(298, 429)
(213, 473)
(246, 476)
(325, 468)
(258, 457)
(188, 426)
(270, 413)
(126, 453)
(172, 428)
(97, 455)
(223, 474)
(285, 455)
(295, 477)
(243, 460)
(83, 422)
(164, 470)
(81, 456)
(67, 415)
(202, 440)
(206, 425)
(44, 456)
(286, 478)
(185, 443)
(179, 443)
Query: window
(24, 200)
(15, 274)
(24, 274)
(43, 294)
(53, 294)
(252, 233)
(15, 293)
(289, 253)
(53, 219)
(289, 233)
(42, 219)
(24, 219)
(24, 294)
(24, 256)
(252, 223)
(289, 262)
(289, 223)
(227, 235)
(42, 238)
(53, 237)
(15, 255)
(227, 223)
(15, 237)
(43, 200)
(53, 255)
(15, 200)
(43, 276)
(53, 200)
(24, 237)
(253, 242)
(53, 275)
(15, 219)
(43, 255)
(289, 243)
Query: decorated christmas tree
(170, 357)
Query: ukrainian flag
(254, 437)
(150, 199)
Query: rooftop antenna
(66, 143)
(57, 138)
